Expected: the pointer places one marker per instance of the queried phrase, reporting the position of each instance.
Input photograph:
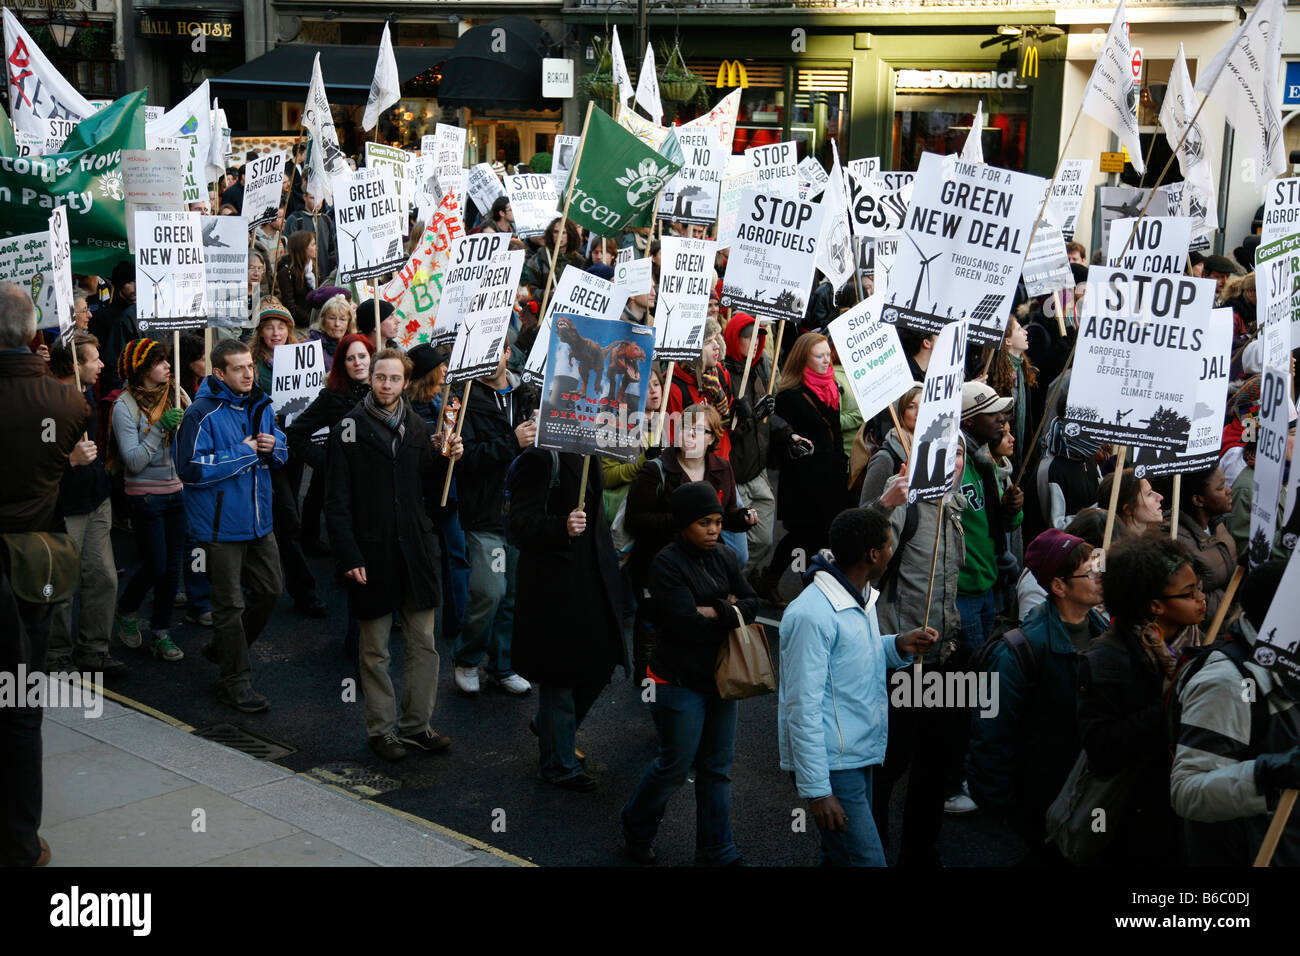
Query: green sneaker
(164, 648)
(128, 630)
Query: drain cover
(263, 748)
(354, 778)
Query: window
(939, 122)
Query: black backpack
(1189, 664)
(1018, 641)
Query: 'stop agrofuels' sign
(907, 80)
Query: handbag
(744, 667)
(1073, 823)
(44, 567)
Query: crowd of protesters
(782, 496)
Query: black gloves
(1278, 771)
(765, 406)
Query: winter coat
(31, 399)
(84, 487)
(490, 446)
(325, 411)
(833, 702)
(751, 438)
(1214, 556)
(812, 489)
(882, 466)
(142, 447)
(649, 518)
(1020, 756)
(683, 392)
(682, 577)
(227, 483)
(322, 227)
(568, 592)
(381, 510)
(327, 344)
(289, 296)
(1212, 784)
(1121, 714)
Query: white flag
(621, 76)
(835, 240)
(973, 151)
(1111, 96)
(190, 120)
(383, 88)
(1249, 94)
(647, 88)
(325, 159)
(217, 143)
(37, 91)
(1194, 159)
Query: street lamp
(61, 30)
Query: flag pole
(564, 217)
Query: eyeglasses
(697, 430)
(1197, 588)
(1093, 575)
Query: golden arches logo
(1029, 68)
(732, 73)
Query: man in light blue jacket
(833, 713)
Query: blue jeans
(738, 541)
(455, 568)
(489, 619)
(159, 525)
(977, 614)
(559, 714)
(694, 730)
(858, 844)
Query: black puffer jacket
(490, 446)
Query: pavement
(133, 787)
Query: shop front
(179, 46)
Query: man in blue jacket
(833, 711)
(227, 446)
(1022, 753)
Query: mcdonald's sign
(1028, 62)
(732, 73)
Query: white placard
(153, 179)
(1047, 267)
(565, 152)
(533, 201)
(965, 240)
(691, 196)
(634, 275)
(813, 177)
(557, 78)
(468, 261)
(777, 166)
(25, 261)
(734, 187)
(770, 270)
(1281, 210)
(263, 186)
(872, 356)
(483, 326)
(1278, 296)
(576, 293)
(1278, 644)
(878, 206)
(1138, 359)
(938, 420)
(1270, 461)
(1126, 202)
(225, 267)
(61, 269)
(447, 150)
(1068, 193)
(866, 168)
(57, 132)
(682, 307)
(1155, 244)
(399, 160)
(297, 376)
(369, 221)
(170, 285)
(884, 255)
(484, 187)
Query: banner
(263, 184)
(872, 356)
(486, 320)
(225, 270)
(1157, 244)
(682, 308)
(170, 276)
(484, 187)
(618, 67)
(1047, 266)
(691, 196)
(972, 151)
(647, 87)
(1202, 451)
(777, 166)
(399, 161)
(1068, 194)
(770, 271)
(1111, 96)
(1195, 161)
(416, 290)
(965, 241)
(470, 259)
(61, 271)
(325, 159)
(938, 420)
(25, 261)
(617, 178)
(533, 201)
(1138, 359)
(370, 223)
(87, 179)
(649, 133)
(835, 241)
(297, 377)
(576, 293)
(37, 90)
(191, 123)
(594, 395)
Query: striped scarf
(394, 420)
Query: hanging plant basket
(679, 91)
(677, 84)
(600, 87)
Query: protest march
(932, 495)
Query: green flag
(617, 178)
(7, 145)
(86, 178)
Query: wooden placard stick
(582, 486)
(1229, 594)
(460, 423)
(1120, 452)
(1173, 515)
(564, 216)
(1275, 828)
(749, 357)
(776, 356)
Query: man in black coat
(568, 602)
(383, 483)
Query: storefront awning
(285, 73)
(497, 66)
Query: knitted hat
(366, 314)
(693, 501)
(1047, 552)
(424, 359)
(135, 355)
(1247, 397)
(318, 297)
(274, 312)
(601, 271)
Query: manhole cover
(255, 745)
(354, 778)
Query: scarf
(823, 386)
(712, 388)
(393, 420)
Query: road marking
(136, 705)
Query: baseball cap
(979, 399)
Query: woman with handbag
(1153, 593)
(697, 595)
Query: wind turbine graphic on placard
(925, 270)
(156, 282)
(354, 236)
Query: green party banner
(617, 178)
(86, 178)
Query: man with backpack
(1021, 755)
(1235, 732)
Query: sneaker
(467, 680)
(163, 647)
(201, 618)
(960, 802)
(388, 746)
(128, 630)
(510, 683)
(98, 662)
(243, 698)
(581, 783)
(427, 739)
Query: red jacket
(683, 392)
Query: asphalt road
(485, 786)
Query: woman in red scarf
(812, 487)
